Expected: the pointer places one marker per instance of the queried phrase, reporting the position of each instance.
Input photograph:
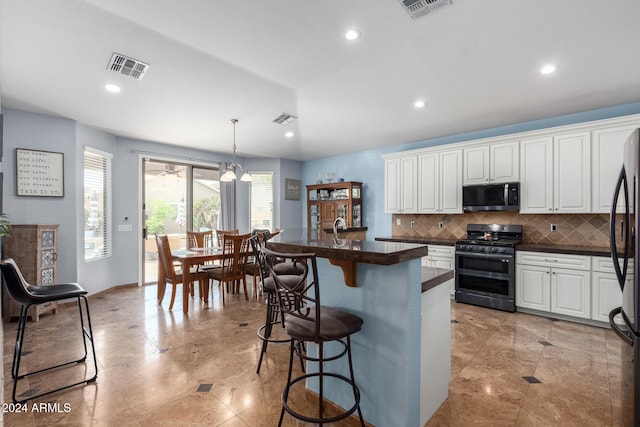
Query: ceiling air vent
(284, 119)
(127, 66)
(416, 8)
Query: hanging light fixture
(230, 174)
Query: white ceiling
(475, 63)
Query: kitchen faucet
(336, 223)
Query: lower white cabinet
(440, 256)
(605, 290)
(555, 283)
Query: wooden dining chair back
(235, 249)
(173, 276)
(200, 239)
(220, 236)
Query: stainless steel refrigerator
(624, 320)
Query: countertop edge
(418, 240)
(432, 277)
(346, 254)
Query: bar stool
(268, 289)
(27, 295)
(306, 320)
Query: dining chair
(27, 296)
(200, 239)
(235, 249)
(175, 277)
(219, 238)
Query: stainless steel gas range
(486, 265)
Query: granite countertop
(419, 240)
(301, 240)
(530, 247)
(432, 277)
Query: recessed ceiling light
(112, 88)
(352, 34)
(420, 103)
(548, 69)
(289, 134)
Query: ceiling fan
(170, 169)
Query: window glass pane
(262, 200)
(206, 199)
(97, 206)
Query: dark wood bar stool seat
(307, 321)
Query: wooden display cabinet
(35, 249)
(326, 202)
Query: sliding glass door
(176, 197)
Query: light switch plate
(398, 222)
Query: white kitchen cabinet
(607, 157)
(571, 292)
(554, 283)
(572, 173)
(441, 256)
(440, 182)
(605, 290)
(401, 184)
(492, 163)
(533, 287)
(555, 175)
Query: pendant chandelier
(230, 174)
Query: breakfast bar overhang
(402, 356)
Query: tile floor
(162, 368)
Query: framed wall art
(39, 173)
(291, 189)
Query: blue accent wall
(368, 166)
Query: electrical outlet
(398, 222)
(441, 224)
(413, 223)
(554, 227)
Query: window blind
(262, 200)
(97, 205)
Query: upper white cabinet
(401, 184)
(607, 149)
(492, 163)
(570, 169)
(555, 175)
(440, 182)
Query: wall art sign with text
(39, 173)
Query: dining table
(187, 259)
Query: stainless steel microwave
(491, 197)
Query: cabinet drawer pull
(550, 260)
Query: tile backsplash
(579, 230)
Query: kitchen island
(402, 354)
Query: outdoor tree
(205, 213)
(158, 212)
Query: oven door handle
(472, 255)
